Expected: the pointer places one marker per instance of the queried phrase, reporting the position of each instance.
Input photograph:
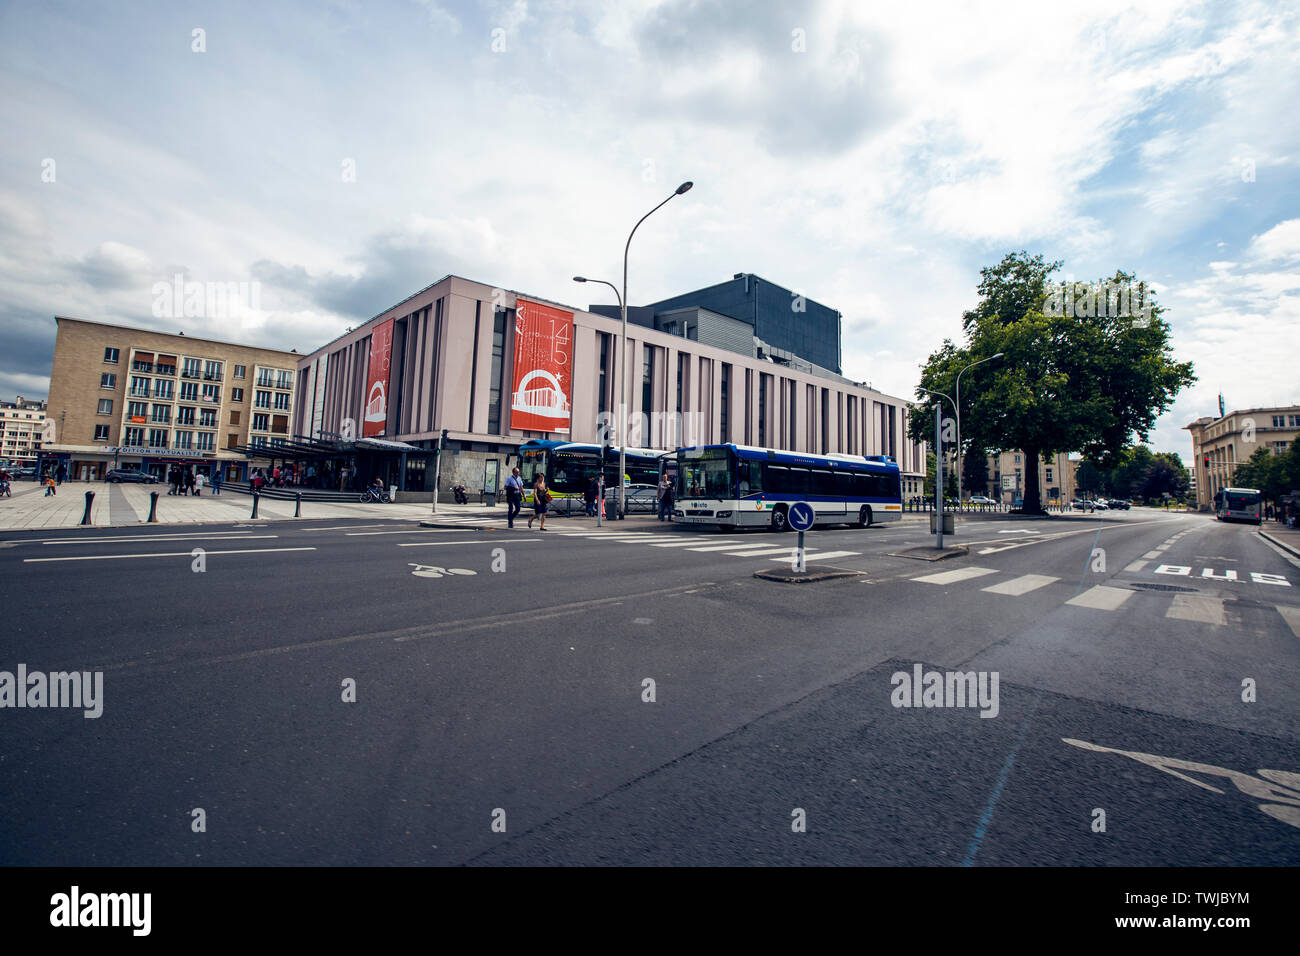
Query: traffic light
(1207, 462)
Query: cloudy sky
(873, 157)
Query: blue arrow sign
(801, 516)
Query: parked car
(1077, 504)
(24, 474)
(1119, 504)
(980, 500)
(129, 474)
(641, 499)
(1100, 504)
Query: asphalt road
(515, 696)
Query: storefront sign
(148, 452)
(381, 349)
(542, 392)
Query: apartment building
(124, 397)
(1008, 472)
(22, 429)
(1220, 444)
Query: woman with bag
(541, 501)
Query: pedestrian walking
(174, 479)
(665, 495)
(198, 484)
(189, 481)
(49, 485)
(61, 473)
(541, 501)
(514, 497)
(216, 482)
(591, 494)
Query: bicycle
(372, 494)
(4, 490)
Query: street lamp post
(957, 406)
(938, 465)
(601, 503)
(622, 373)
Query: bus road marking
(952, 577)
(159, 554)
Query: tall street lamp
(938, 465)
(957, 405)
(601, 508)
(622, 349)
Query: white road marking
(1101, 598)
(159, 554)
(1152, 555)
(952, 577)
(685, 544)
(1021, 585)
(362, 534)
(135, 538)
(765, 552)
(1197, 607)
(1136, 566)
(437, 544)
(738, 547)
(822, 556)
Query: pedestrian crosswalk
(1208, 609)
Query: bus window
(751, 477)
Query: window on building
(162, 387)
(234, 417)
(1049, 474)
(724, 430)
(101, 433)
(212, 371)
(603, 390)
(207, 418)
(108, 380)
(1017, 459)
(191, 368)
(161, 413)
(157, 438)
(282, 401)
(236, 394)
(212, 393)
(261, 421)
(264, 377)
(647, 378)
(185, 440)
(206, 441)
(498, 361)
(1293, 421)
(232, 440)
(189, 392)
(239, 371)
(762, 409)
(105, 406)
(284, 379)
(140, 386)
(138, 410)
(111, 356)
(185, 415)
(1279, 421)
(262, 400)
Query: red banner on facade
(542, 392)
(381, 350)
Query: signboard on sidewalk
(542, 386)
(376, 410)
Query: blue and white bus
(737, 486)
(1238, 504)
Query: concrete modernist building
(1220, 444)
(130, 398)
(22, 428)
(451, 364)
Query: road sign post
(801, 519)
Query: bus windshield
(705, 478)
(1240, 500)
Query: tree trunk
(1031, 504)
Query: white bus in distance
(1238, 504)
(738, 486)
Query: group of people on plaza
(188, 481)
(515, 499)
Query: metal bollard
(297, 505)
(153, 507)
(256, 498)
(90, 499)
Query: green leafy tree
(975, 472)
(1066, 383)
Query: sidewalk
(127, 505)
(1285, 538)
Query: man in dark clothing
(514, 497)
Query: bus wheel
(864, 517)
(779, 520)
